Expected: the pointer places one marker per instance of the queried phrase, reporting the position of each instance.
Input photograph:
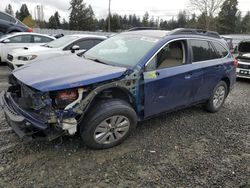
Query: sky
(165, 9)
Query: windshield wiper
(98, 61)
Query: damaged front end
(33, 113)
(53, 114)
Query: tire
(219, 94)
(99, 130)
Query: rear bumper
(23, 123)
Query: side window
(20, 39)
(97, 41)
(41, 39)
(221, 51)
(171, 55)
(202, 50)
(85, 44)
(5, 17)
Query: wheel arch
(227, 81)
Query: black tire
(210, 106)
(101, 112)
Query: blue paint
(65, 72)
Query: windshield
(61, 42)
(122, 50)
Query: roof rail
(183, 31)
(143, 28)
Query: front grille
(10, 57)
(243, 66)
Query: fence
(69, 32)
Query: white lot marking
(7, 147)
(5, 130)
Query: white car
(243, 68)
(62, 46)
(20, 40)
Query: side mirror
(81, 52)
(74, 48)
(6, 41)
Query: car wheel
(108, 124)
(218, 97)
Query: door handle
(218, 67)
(188, 76)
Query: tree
(145, 19)
(207, 8)
(65, 24)
(228, 10)
(182, 19)
(245, 24)
(9, 9)
(24, 12)
(54, 21)
(81, 17)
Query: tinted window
(202, 50)
(171, 55)
(5, 17)
(20, 39)
(85, 44)
(41, 39)
(221, 51)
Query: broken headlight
(64, 98)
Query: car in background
(62, 46)
(9, 24)
(13, 41)
(130, 77)
(229, 41)
(243, 68)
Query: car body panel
(71, 71)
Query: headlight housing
(26, 58)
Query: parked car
(243, 69)
(9, 24)
(20, 40)
(127, 78)
(62, 46)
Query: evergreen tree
(9, 9)
(145, 20)
(245, 24)
(24, 12)
(54, 21)
(81, 17)
(227, 17)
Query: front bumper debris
(22, 122)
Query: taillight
(30, 30)
(235, 63)
(63, 98)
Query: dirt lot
(188, 148)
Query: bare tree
(208, 8)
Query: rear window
(221, 51)
(244, 47)
(5, 17)
(202, 50)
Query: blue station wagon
(128, 78)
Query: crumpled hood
(65, 72)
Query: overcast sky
(158, 8)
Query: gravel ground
(188, 148)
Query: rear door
(5, 23)
(205, 59)
(168, 79)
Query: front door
(169, 79)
